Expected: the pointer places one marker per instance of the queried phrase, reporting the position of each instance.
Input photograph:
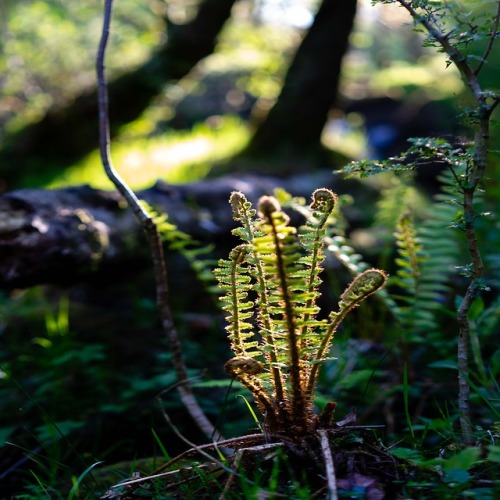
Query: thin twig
(250, 439)
(141, 480)
(452, 52)
(490, 42)
(331, 478)
(149, 226)
(159, 473)
(198, 449)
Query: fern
(279, 353)
(410, 261)
(191, 249)
(428, 256)
(244, 213)
(399, 196)
(334, 240)
(235, 281)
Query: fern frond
(410, 260)
(279, 253)
(248, 232)
(192, 250)
(312, 240)
(428, 256)
(364, 285)
(234, 279)
(395, 199)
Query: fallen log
(64, 236)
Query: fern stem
(253, 384)
(266, 321)
(320, 353)
(324, 201)
(268, 211)
(236, 339)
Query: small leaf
(477, 307)
(457, 476)
(462, 461)
(494, 453)
(445, 363)
(407, 454)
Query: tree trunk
(66, 134)
(71, 234)
(294, 125)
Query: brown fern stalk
(245, 370)
(267, 207)
(154, 237)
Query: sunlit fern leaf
(244, 213)
(312, 239)
(198, 256)
(234, 279)
(363, 285)
(282, 271)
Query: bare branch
(329, 464)
(474, 176)
(148, 224)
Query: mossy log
(72, 234)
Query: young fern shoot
(271, 285)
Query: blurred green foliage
(48, 51)
(386, 59)
(177, 157)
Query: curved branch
(148, 224)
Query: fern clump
(271, 287)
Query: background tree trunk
(66, 134)
(293, 127)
